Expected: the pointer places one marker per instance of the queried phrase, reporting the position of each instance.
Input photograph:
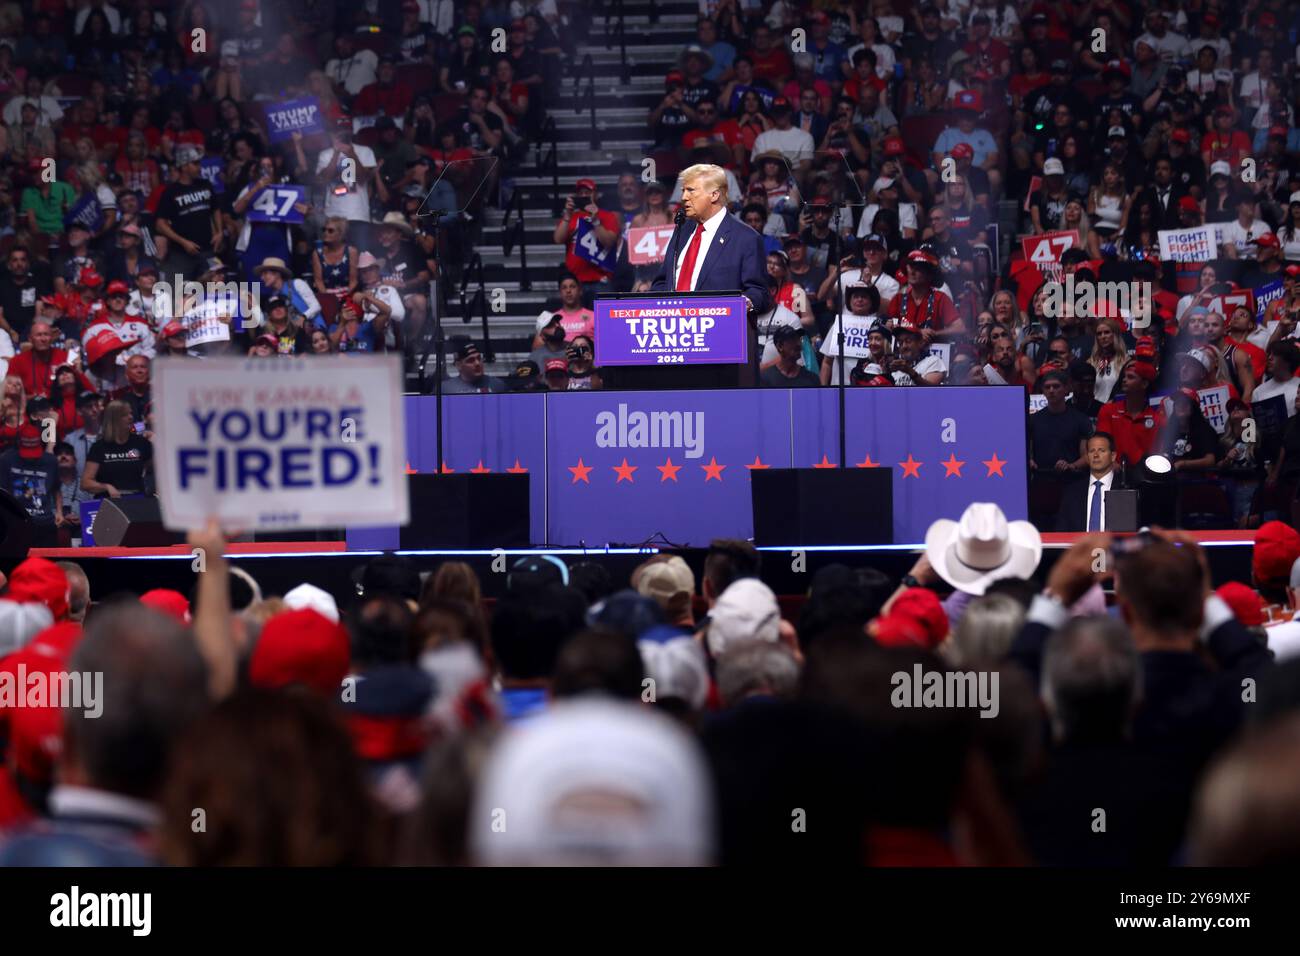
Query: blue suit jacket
(735, 262)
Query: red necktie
(688, 264)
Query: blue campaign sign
(587, 246)
(278, 204)
(285, 118)
(1265, 294)
(88, 510)
(210, 169)
(86, 211)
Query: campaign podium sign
(677, 328)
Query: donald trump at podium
(717, 252)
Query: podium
(674, 340)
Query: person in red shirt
(920, 304)
(385, 96)
(988, 54)
(721, 134)
(582, 205)
(1132, 420)
(1225, 142)
(37, 365)
(771, 61)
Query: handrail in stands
(587, 69)
(474, 268)
(550, 162)
(513, 232)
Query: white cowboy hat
(981, 548)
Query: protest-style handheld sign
(276, 204)
(86, 211)
(1224, 304)
(281, 443)
(1045, 250)
(856, 328)
(587, 246)
(287, 117)
(209, 320)
(1188, 245)
(943, 352)
(1214, 406)
(1265, 294)
(648, 244)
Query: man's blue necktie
(1094, 509)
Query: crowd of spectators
(683, 717)
(151, 211)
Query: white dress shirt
(710, 227)
(1106, 482)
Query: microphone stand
(679, 218)
(436, 342)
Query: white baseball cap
(745, 611)
(312, 598)
(678, 668)
(594, 781)
(1053, 167)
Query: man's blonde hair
(713, 177)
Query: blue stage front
(620, 468)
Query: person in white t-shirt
(795, 144)
(864, 306)
(345, 170)
(1240, 235)
(1170, 46)
(872, 273)
(1283, 362)
(351, 70)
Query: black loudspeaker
(132, 523)
(1122, 510)
(16, 532)
(473, 512)
(805, 506)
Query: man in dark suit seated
(1083, 504)
(716, 251)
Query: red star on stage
(712, 470)
(410, 470)
(757, 463)
(581, 472)
(994, 465)
(952, 466)
(825, 463)
(624, 471)
(668, 470)
(479, 469)
(445, 470)
(518, 469)
(866, 462)
(911, 467)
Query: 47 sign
(587, 246)
(278, 204)
(648, 244)
(1045, 250)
